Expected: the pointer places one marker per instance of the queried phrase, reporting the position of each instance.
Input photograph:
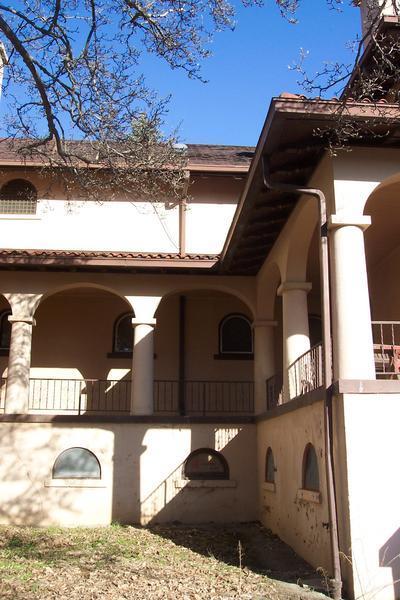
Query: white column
(264, 361)
(353, 355)
(19, 363)
(143, 367)
(296, 334)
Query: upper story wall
(123, 224)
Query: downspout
(327, 362)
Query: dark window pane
(124, 334)
(236, 335)
(5, 329)
(270, 467)
(77, 463)
(206, 464)
(311, 475)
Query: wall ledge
(294, 404)
(205, 483)
(74, 483)
(366, 386)
(309, 496)
(128, 419)
(269, 486)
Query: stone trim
(361, 221)
(290, 286)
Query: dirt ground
(210, 562)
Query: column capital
(361, 221)
(21, 319)
(290, 286)
(150, 321)
(264, 323)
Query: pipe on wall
(327, 360)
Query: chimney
(373, 10)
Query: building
(148, 376)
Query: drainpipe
(327, 362)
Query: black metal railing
(204, 397)
(386, 340)
(274, 390)
(79, 395)
(306, 373)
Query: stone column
(296, 335)
(143, 367)
(264, 361)
(353, 355)
(19, 363)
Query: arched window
(5, 330)
(123, 334)
(235, 335)
(205, 463)
(76, 463)
(310, 469)
(269, 466)
(18, 196)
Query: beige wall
(297, 521)
(368, 493)
(141, 474)
(122, 224)
(74, 334)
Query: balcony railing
(306, 373)
(204, 397)
(386, 338)
(100, 396)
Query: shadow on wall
(25, 499)
(141, 474)
(389, 556)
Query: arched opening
(76, 463)
(236, 336)
(18, 196)
(269, 466)
(192, 375)
(310, 476)
(73, 367)
(5, 338)
(205, 463)
(382, 249)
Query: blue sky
(248, 67)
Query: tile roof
(199, 155)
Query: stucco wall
(141, 474)
(122, 224)
(369, 491)
(299, 522)
(74, 335)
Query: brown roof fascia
(298, 108)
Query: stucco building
(229, 359)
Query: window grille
(18, 197)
